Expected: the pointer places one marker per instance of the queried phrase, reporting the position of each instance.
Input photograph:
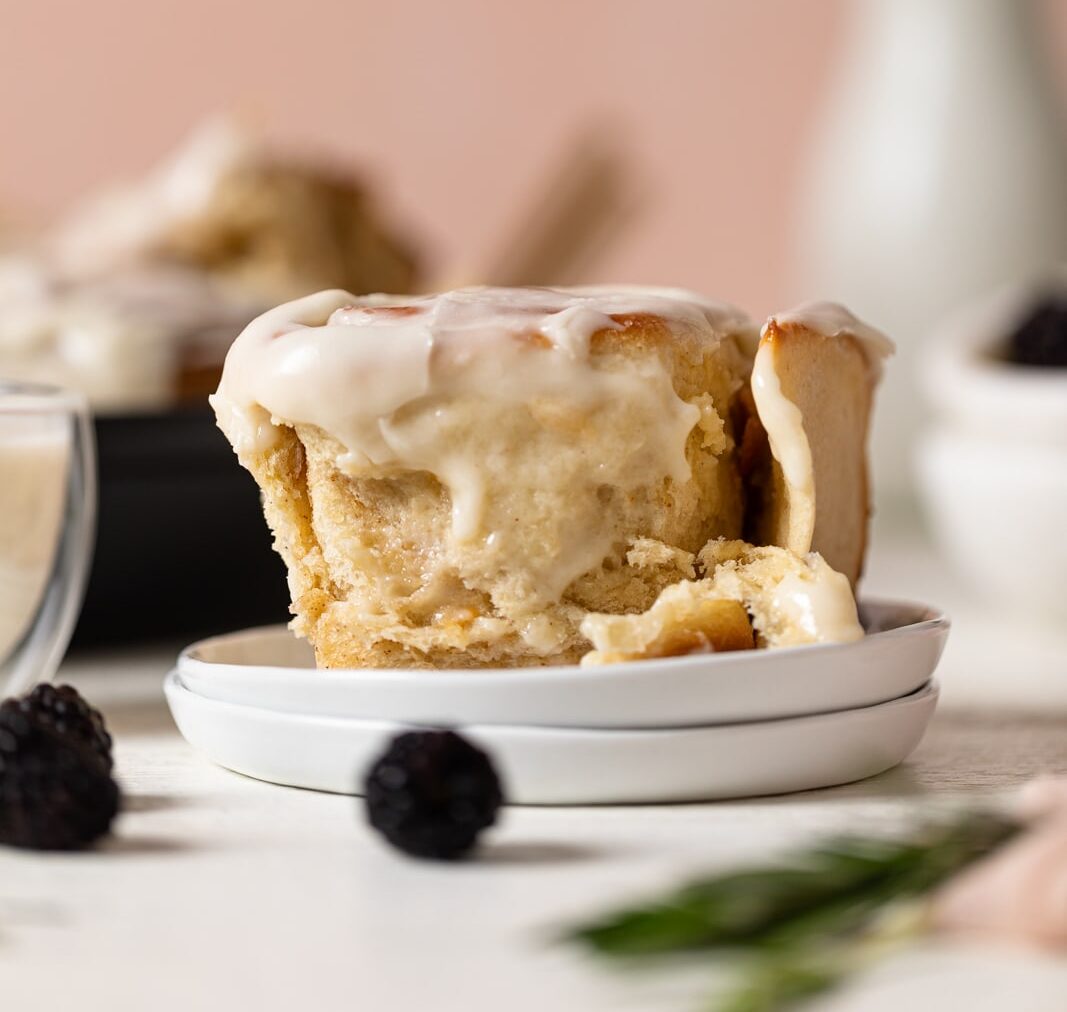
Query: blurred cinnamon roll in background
(135, 296)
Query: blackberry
(56, 788)
(432, 793)
(1041, 339)
(63, 707)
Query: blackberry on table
(432, 793)
(63, 707)
(56, 788)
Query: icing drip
(832, 320)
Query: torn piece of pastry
(791, 599)
(685, 619)
(457, 480)
(813, 385)
(751, 596)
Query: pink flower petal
(1018, 893)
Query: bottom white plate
(574, 766)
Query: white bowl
(972, 391)
(999, 515)
(993, 471)
(570, 766)
(271, 669)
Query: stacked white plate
(689, 728)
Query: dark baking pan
(182, 548)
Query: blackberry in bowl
(1040, 338)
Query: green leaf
(820, 894)
(772, 985)
(775, 980)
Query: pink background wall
(456, 108)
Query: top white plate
(269, 668)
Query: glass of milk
(47, 520)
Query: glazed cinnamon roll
(470, 479)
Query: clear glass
(47, 526)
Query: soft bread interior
(813, 395)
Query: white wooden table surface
(219, 892)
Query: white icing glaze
(832, 319)
(819, 603)
(347, 363)
(256, 359)
(783, 422)
(490, 390)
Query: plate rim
(934, 619)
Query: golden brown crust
(691, 624)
